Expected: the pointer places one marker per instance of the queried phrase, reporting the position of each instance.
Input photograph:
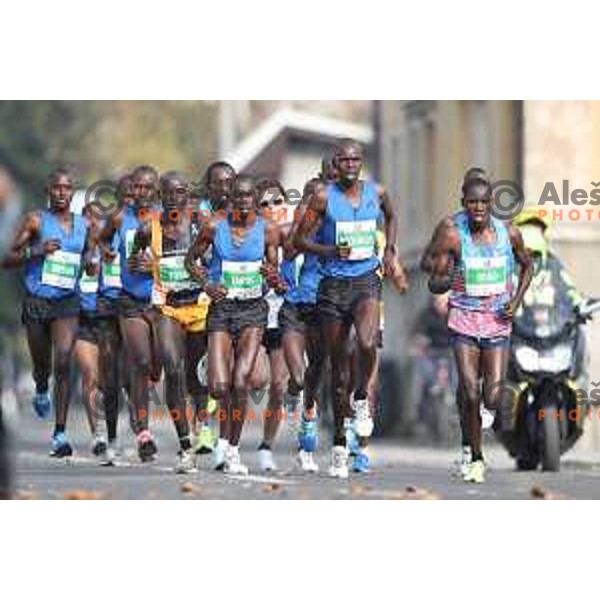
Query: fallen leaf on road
(189, 488)
(412, 493)
(272, 487)
(84, 495)
(539, 493)
(358, 490)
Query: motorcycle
(547, 367)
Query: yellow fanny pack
(191, 316)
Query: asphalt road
(399, 472)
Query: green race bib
(87, 284)
(359, 235)
(111, 273)
(243, 280)
(485, 276)
(61, 269)
(173, 274)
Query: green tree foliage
(103, 138)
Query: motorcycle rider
(550, 302)
(548, 268)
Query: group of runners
(169, 283)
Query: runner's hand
(269, 272)
(199, 273)
(509, 311)
(216, 292)
(392, 269)
(92, 268)
(343, 251)
(50, 246)
(108, 255)
(140, 263)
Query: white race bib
(243, 280)
(173, 274)
(359, 235)
(87, 284)
(485, 276)
(61, 269)
(111, 273)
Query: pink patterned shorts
(477, 324)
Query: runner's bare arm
(448, 244)
(432, 249)
(389, 214)
(310, 222)
(20, 249)
(524, 259)
(198, 249)
(270, 270)
(392, 267)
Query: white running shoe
(219, 454)
(99, 445)
(306, 462)
(460, 466)
(362, 418)
(233, 462)
(487, 417)
(185, 462)
(265, 460)
(109, 457)
(339, 462)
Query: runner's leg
(220, 350)
(277, 387)
(246, 351)
(467, 358)
(63, 333)
(40, 350)
(137, 339)
(86, 358)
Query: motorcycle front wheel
(550, 442)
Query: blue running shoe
(42, 404)
(361, 463)
(308, 436)
(60, 447)
(351, 437)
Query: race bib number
(61, 269)
(485, 276)
(359, 235)
(111, 273)
(88, 284)
(173, 274)
(243, 280)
